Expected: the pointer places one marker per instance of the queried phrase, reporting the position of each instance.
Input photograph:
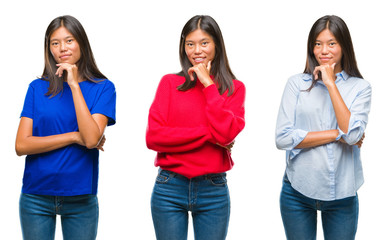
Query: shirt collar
(341, 75)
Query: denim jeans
(79, 216)
(299, 215)
(206, 197)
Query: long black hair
(87, 67)
(220, 69)
(339, 29)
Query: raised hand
(203, 73)
(327, 72)
(72, 72)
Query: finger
(209, 66)
(59, 72)
(190, 72)
(333, 66)
(316, 71)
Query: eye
(189, 44)
(317, 44)
(204, 43)
(54, 43)
(332, 43)
(70, 40)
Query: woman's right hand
(203, 73)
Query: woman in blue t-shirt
(61, 129)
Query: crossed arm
(342, 113)
(91, 127)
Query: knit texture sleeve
(163, 137)
(225, 113)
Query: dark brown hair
(339, 29)
(220, 69)
(87, 67)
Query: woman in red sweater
(193, 122)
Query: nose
(63, 47)
(324, 49)
(197, 49)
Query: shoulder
(299, 81)
(300, 78)
(359, 83)
(103, 84)
(238, 85)
(172, 80)
(39, 82)
(106, 82)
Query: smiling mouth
(64, 56)
(201, 59)
(325, 59)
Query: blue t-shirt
(71, 170)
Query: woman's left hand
(228, 147)
(327, 72)
(359, 143)
(72, 72)
(101, 143)
(203, 73)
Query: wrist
(207, 82)
(73, 85)
(330, 84)
(76, 138)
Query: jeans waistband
(202, 177)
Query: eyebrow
(332, 39)
(55, 39)
(204, 39)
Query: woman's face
(64, 47)
(327, 50)
(199, 47)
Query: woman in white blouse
(321, 123)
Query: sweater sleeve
(160, 136)
(225, 114)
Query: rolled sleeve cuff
(341, 133)
(298, 136)
(354, 133)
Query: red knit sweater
(184, 126)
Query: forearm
(342, 113)
(89, 130)
(34, 145)
(314, 139)
(175, 139)
(225, 115)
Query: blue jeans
(79, 216)
(206, 197)
(299, 215)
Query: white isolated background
(135, 43)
